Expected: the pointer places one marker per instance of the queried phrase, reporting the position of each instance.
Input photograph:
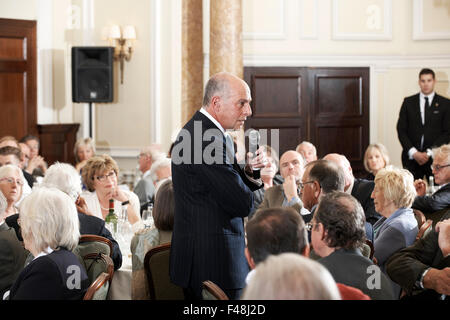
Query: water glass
(147, 218)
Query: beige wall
(394, 38)
(378, 34)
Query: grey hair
(153, 152)
(443, 150)
(290, 276)
(306, 143)
(48, 218)
(3, 203)
(64, 177)
(216, 85)
(83, 142)
(7, 169)
(161, 163)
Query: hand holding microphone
(256, 154)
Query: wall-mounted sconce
(123, 43)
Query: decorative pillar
(192, 59)
(225, 37)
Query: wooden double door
(328, 107)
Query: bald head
(227, 99)
(292, 163)
(343, 162)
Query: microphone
(253, 145)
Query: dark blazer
(12, 258)
(51, 277)
(88, 225)
(211, 201)
(406, 266)
(410, 129)
(350, 267)
(29, 178)
(437, 201)
(362, 189)
(274, 197)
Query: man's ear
(317, 189)
(215, 103)
(306, 251)
(249, 258)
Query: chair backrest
(156, 265)
(211, 291)
(420, 217)
(103, 244)
(424, 229)
(99, 289)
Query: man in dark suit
(212, 192)
(337, 231)
(423, 269)
(423, 123)
(361, 189)
(440, 199)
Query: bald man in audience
(286, 195)
(308, 151)
(361, 189)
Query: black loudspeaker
(92, 74)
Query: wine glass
(147, 217)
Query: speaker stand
(90, 120)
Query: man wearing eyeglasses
(441, 170)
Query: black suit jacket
(351, 268)
(362, 190)
(51, 277)
(410, 129)
(437, 201)
(407, 265)
(88, 225)
(29, 178)
(12, 258)
(211, 201)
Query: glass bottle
(111, 218)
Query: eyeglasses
(301, 185)
(103, 178)
(310, 225)
(438, 167)
(12, 180)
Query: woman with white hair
(11, 184)
(50, 231)
(393, 196)
(290, 276)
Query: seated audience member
(440, 199)
(286, 195)
(307, 150)
(290, 276)
(337, 232)
(12, 155)
(50, 231)
(9, 141)
(393, 195)
(279, 230)
(100, 178)
(83, 150)
(36, 165)
(160, 172)
(66, 178)
(361, 189)
(423, 269)
(143, 241)
(269, 177)
(12, 253)
(145, 189)
(11, 184)
(320, 177)
(376, 158)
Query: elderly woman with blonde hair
(50, 231)
(393, 196)
(83, 150)
(100, 176)
(376, 158)
(290, 276)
